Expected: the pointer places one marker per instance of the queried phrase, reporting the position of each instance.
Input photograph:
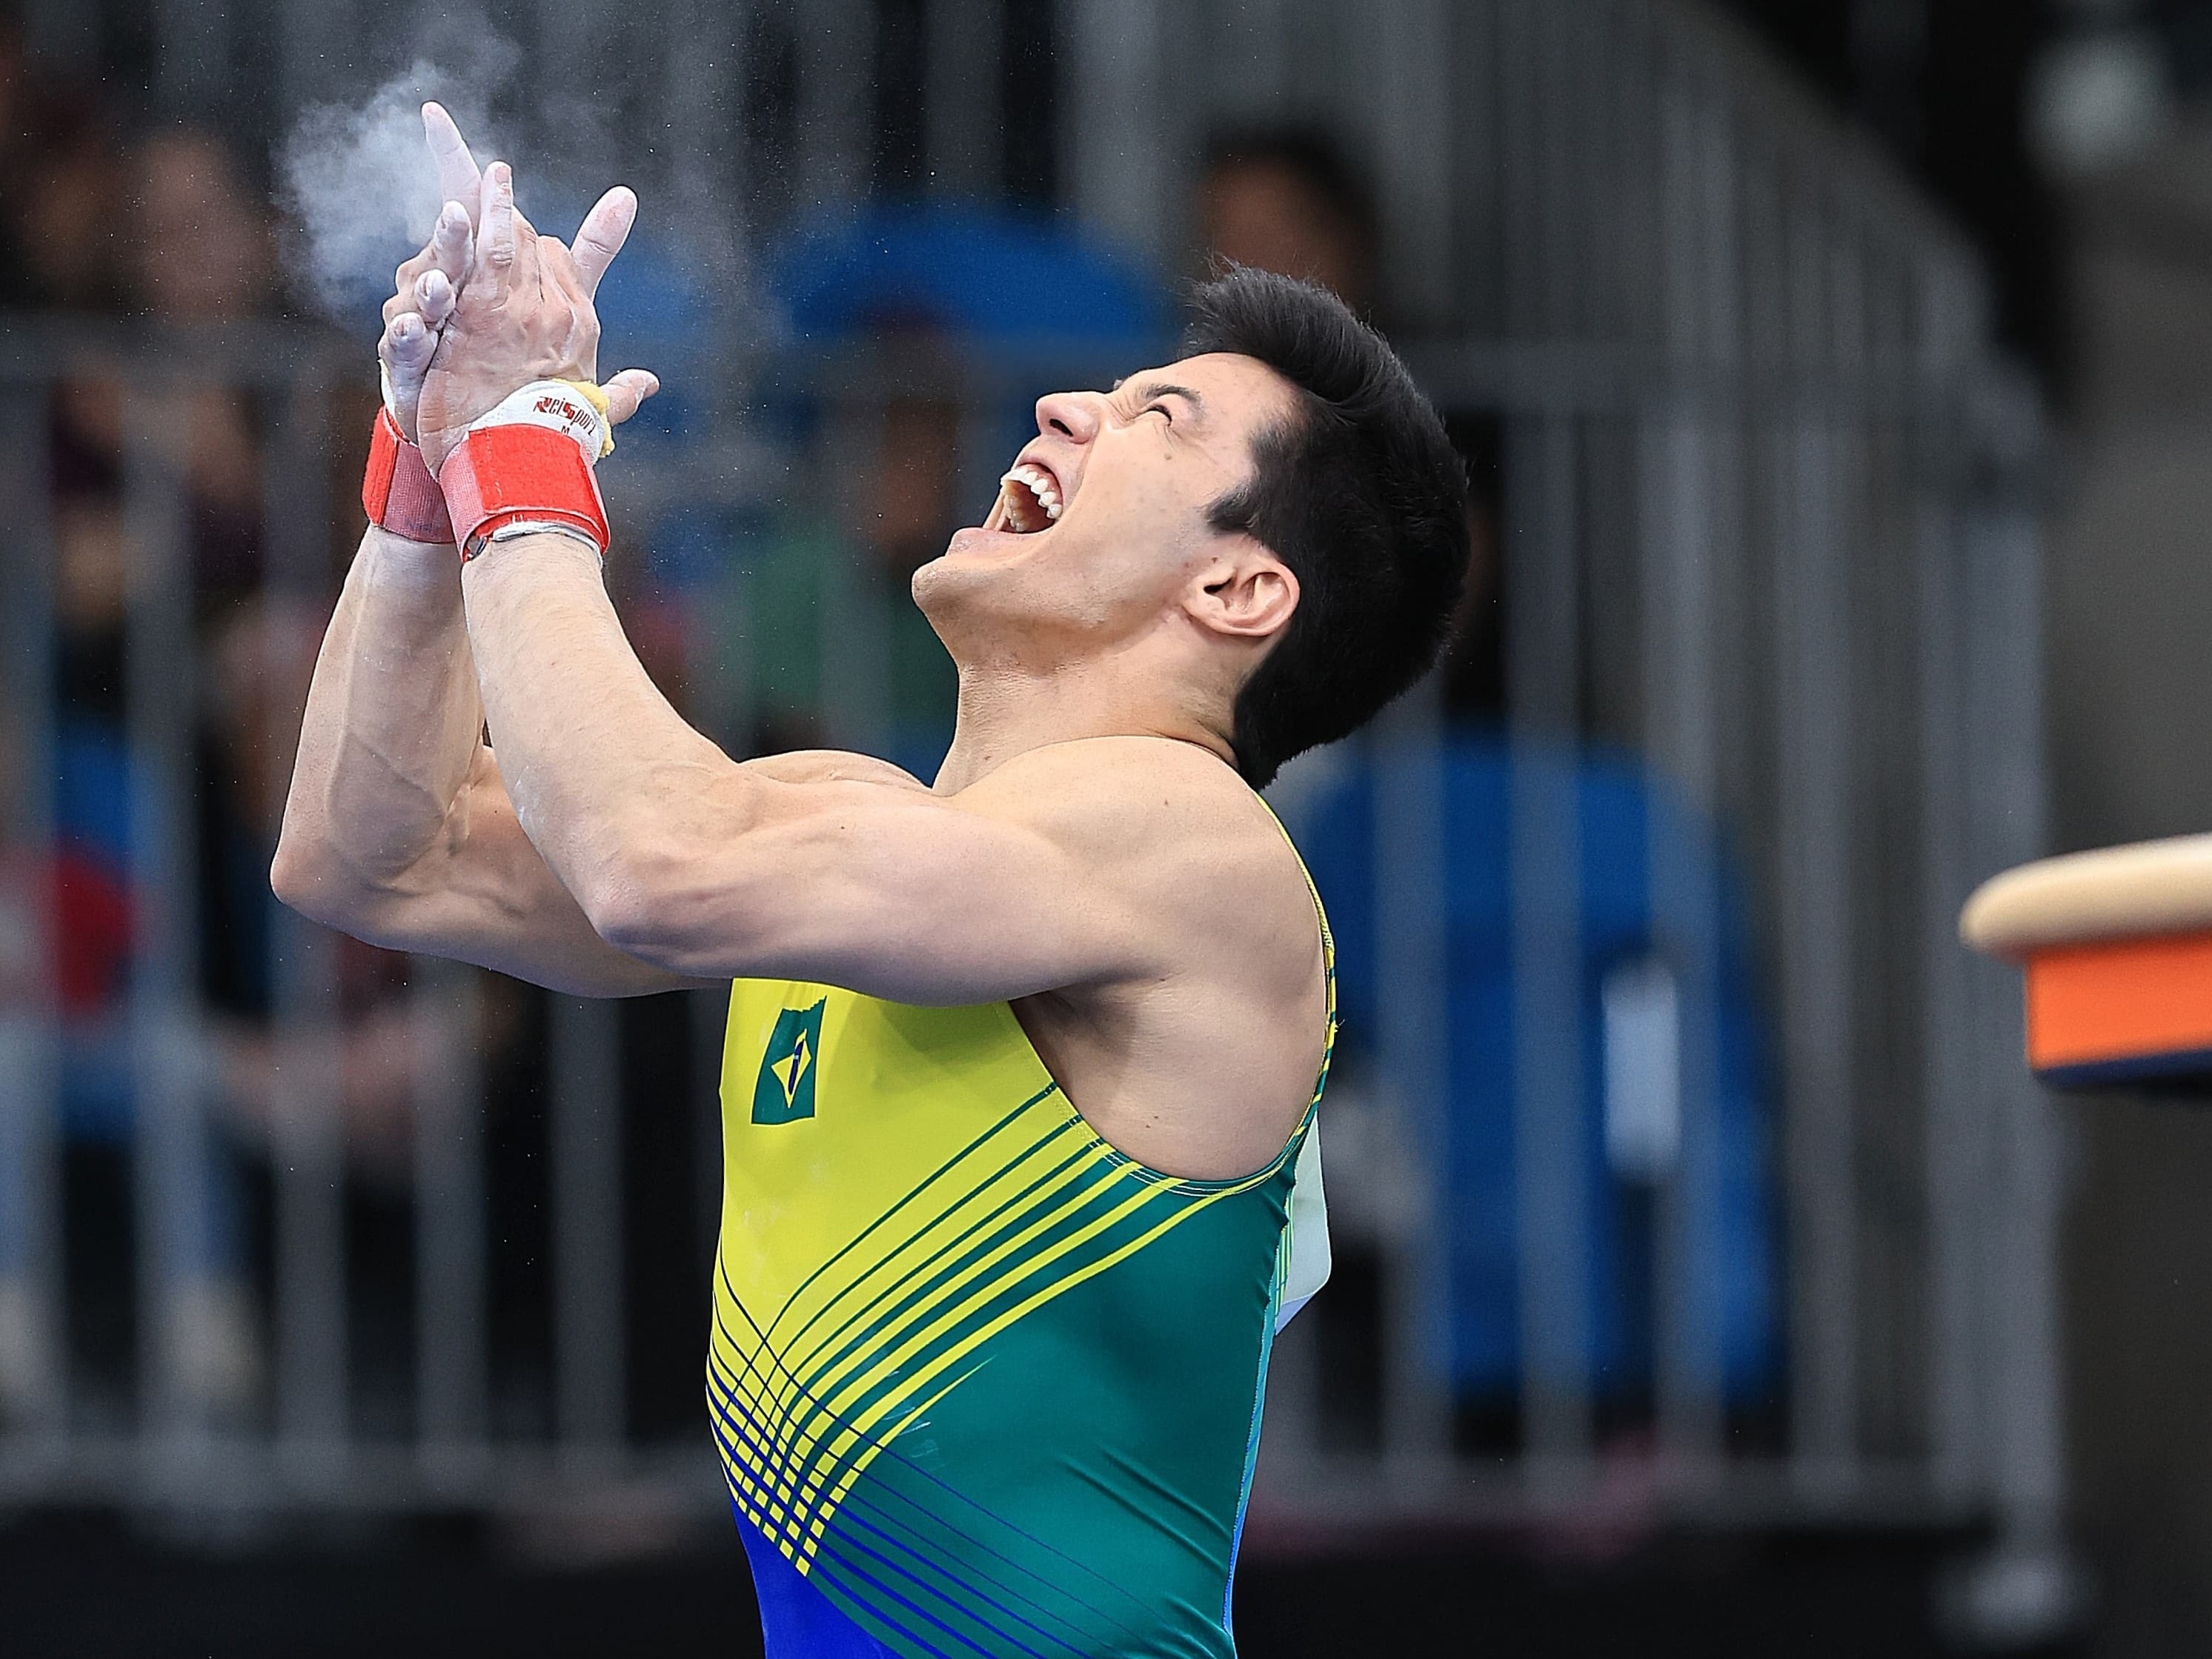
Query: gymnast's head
(1270, 531)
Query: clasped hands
(489, 305)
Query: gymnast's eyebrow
(1158, 389)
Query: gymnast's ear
(1245, 592)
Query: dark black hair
(1359, 492)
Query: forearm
(393, 725)
(603, 774)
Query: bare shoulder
(832, 766)
(1118, 795)
(1199, 1057)
(1177, 834)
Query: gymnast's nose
(1075, 416)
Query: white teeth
(1040, 488)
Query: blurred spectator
(172, 231)
(199, 251)
(837, 649)
(823, 630)
(203, 250)
(1283, 199)
(260, 663)
(63, 189)
(202, 247)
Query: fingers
(497, 249)
(627, 390)
(405, 351)
(435, 297)
(403, 285)
(451, 247)
(559, 278)
(557, 266)
(602, 232)
(458, 179)
(407, 340)
(453, 241)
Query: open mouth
(1029, 500)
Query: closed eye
(1156, 394)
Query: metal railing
(1768, 515)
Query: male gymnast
(1021, 1061)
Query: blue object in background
(985, 274)
(1625, 813)
(997, 283)
(654, 314)
(92, 791)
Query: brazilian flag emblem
(784, 1092)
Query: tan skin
(1087, 854)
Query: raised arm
(677, 854)
(397, 827)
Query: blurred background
(1710, 1277)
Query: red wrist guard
(397, 490)
(500, 474)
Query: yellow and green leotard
(982, 1385)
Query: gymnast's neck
(1008, 708)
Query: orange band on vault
(2123, 1001)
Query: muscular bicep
(482, 895)
(892, 891)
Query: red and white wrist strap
(397, 490)
(525, 463)
(529, 461)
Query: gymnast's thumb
(627, 390)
